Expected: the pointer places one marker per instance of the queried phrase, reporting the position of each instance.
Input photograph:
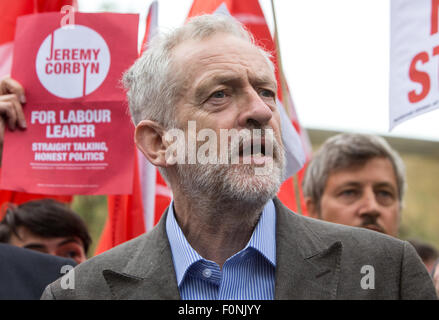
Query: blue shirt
(247, 275)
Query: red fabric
(9, 11)
(250, 14)
(8, 196)
(125, 217)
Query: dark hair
(426, 251)
(46, 218)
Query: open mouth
(253, 152)
(252, 148)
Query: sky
(335, 56)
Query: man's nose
(369, 204)
(255, 111)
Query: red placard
(79, 138)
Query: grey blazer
(314, 260)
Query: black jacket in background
(25, 273)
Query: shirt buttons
(207, 273)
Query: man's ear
(312, 208)
(149, 139)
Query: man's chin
(233, 182)
(248, 185)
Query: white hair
(152, 87)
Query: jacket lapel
(307, 267)
(149, 273)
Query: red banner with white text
(78, 131)
(9, 12)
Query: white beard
(223, 183)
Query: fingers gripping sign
(11, 110)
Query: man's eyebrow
(349, 184)
(375, 185)
(68, 240)
(34, 246)
(385, 184)
(263, 80)
(204, 86)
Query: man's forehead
(376, 170)
(215, 47)
(200, 62)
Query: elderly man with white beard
(226, 235)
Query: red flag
(156, 195)
(9, 11)
(125, 217)
(250, 14)
(133, 214)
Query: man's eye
(71, 254)
(385, 197)
(266, 93)
(348, 193)
(218, 95)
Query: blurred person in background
(47, 226)
(359, 180)
(436, 277)
(25, 273)
(430, 256)
(427, 252)
(356, 180)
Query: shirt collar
(263, 240)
